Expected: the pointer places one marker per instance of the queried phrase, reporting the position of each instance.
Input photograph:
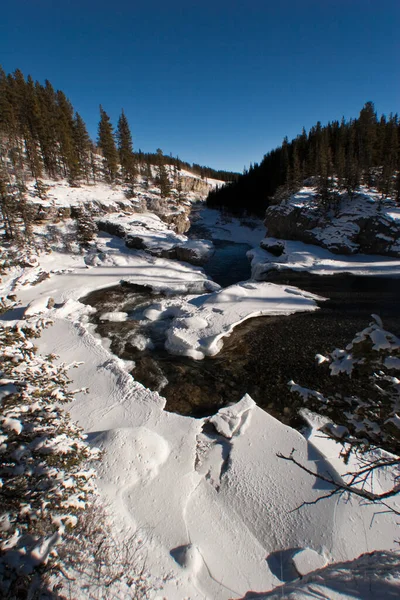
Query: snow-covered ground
(149, 232)
(225, 227)
(216, 507)
(298, 256)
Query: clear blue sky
(215, 82)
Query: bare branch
(344, 487)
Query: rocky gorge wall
(362, 224)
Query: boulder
(275, 248)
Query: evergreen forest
(339, 156)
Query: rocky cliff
(365, 223)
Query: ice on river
(200, 322)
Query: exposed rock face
(146, 232)
(131, 241)
(178, 219)
(196, 252)
(274, 248)
(192, 184)
(112, 228)
(361, 224)
(49, 211)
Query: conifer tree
(387, 178)
(366, 126)
(86, 227)
(66, 138)
(340, 155)
(41, 450)
(29, 116)
(284, 160)
(147, 171)
(48, 133)
(352, 173)
(16, 212)
(106, 143)
(7, 206)
(82, 146)
(163, 179)
(295, 169)
(125, 150)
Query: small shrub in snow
(366, 398)
(365, 408)
(86, 228)
(45, 482)
(99, 566)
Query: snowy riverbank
(216, 505)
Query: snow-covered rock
(298, 256)
(365, 223)
(307, 560)
(148, 232)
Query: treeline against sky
(41, 131)
(341, 156)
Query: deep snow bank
(216, 507)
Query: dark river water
(263, 354)
(229, 263)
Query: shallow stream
(263, 354)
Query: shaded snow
(298, 256)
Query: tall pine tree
(163, 179)
(82, 146)
(125, 150)
(107, 145)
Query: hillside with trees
(44, 142)
(341, 156)
(39, 125)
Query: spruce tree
(48, 134)
(125, 150)
(83, 146)
(296, 172)
(66, 138)
(106, 143)
(86, 228)
(163, 179)
(29, 115)
(367, 129)
(340, 155)
(93, 163)
(352, 172)
(387, 179)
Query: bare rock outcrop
(362, 224)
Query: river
(263, 354)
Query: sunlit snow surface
(309, 258)
(216, 506)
